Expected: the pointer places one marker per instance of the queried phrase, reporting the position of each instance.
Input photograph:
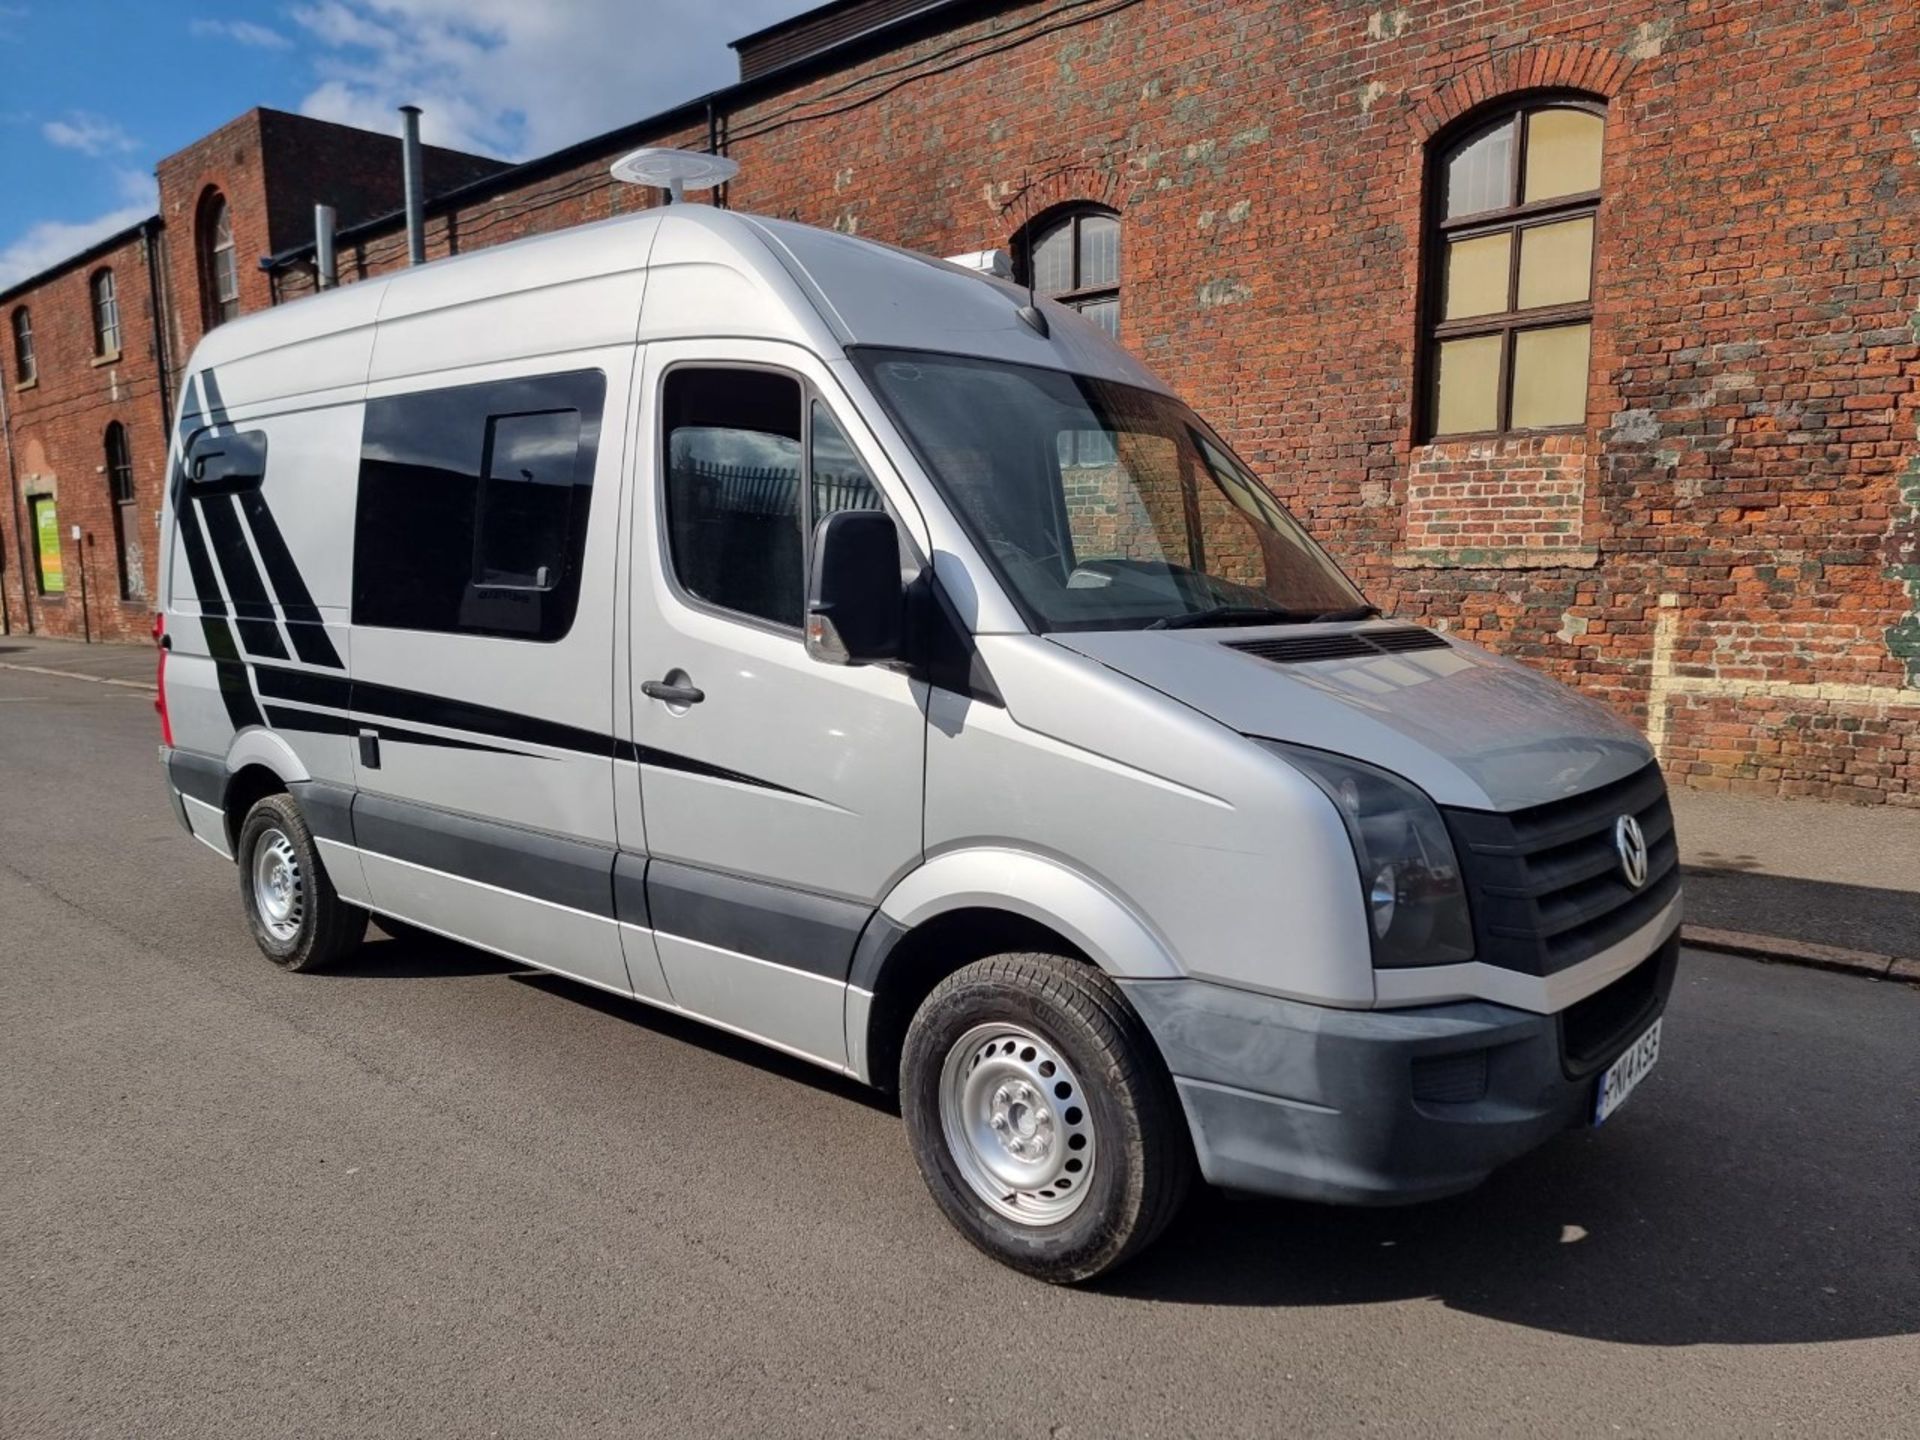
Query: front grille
(1593, 1031)
(1545, 884)
(1340, 645)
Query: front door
(782, 795)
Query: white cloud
(51, 241)
(515, 77)
(240, 32)
(89, 134)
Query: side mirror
(223, 464)
(855, 601)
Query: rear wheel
(1042, 1117)
(298, 920)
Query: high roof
(705, 272)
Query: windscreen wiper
(1260, 615)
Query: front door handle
(671, 693)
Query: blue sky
(96, 92)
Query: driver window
(746, 483)
(733, 463)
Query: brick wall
(1726, 550)
(270, 168)
(57, 426)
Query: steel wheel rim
(279, 889)
(1017, 1124)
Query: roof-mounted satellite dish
(674, 171)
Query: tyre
(298, 920)
(1042, 1116)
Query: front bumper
(1383, 1107)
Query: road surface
(437, 1196)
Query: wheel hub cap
(278, 893)
(1016, 1123)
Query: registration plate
(1625, 1073)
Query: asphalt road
(434, 1196)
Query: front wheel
(1042, 1117)
(298, 920)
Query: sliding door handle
(673, 694)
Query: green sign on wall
(46, 529)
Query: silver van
(838, 647)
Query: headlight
(1416, 904)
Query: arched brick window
(119, 469)
(1072, 255)
(106, 314)
(219, 274)
(25, 368)
(1513, 200)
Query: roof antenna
(675, 171)
(1029, 313)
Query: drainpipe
(157, 311)
(19, 507)
(326, 269)
(410, 169)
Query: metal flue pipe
(326, 268)
(416, 195)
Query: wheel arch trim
(1038, 888)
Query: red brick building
(1591, 332)
(92, 349)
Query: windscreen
(1103, 506)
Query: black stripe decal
(304, 626)
(687, 765)
(796, 928)
(205, 587)
(573, 873)
(316, 723)
(242, 709)
(382, 702)
(305, 686)
(252, 606)
(386, 700)
(235, 691)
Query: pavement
(436, 1195)
(1803, 882)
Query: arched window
(120, 489)
(106, 315)
(26, 369)
(1073, 256)
(219, 276)
(1510, 269)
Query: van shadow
(1714, 1210)
(417, 955)
(705, 1037)
(1638, 1234)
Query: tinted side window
(733, 469)
(472, 514)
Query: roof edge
(145, 226)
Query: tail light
(161, 645)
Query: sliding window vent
(1345, 645)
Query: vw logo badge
(1632, 846)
